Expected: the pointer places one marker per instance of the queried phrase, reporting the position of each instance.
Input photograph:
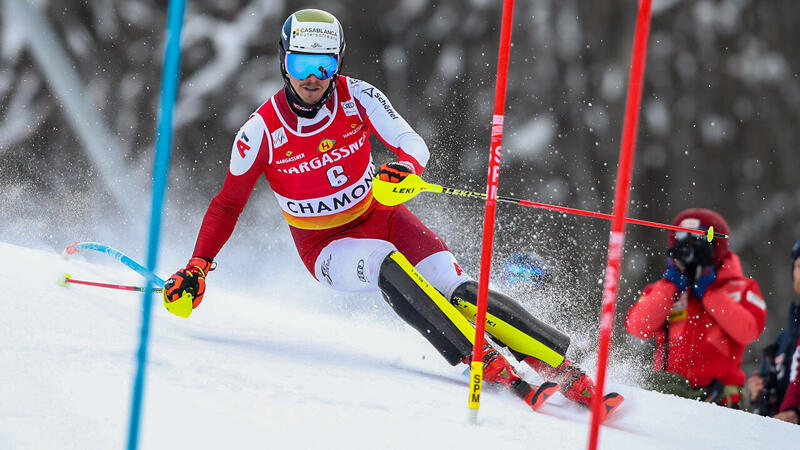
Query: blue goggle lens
(303, 65)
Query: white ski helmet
(312, 43)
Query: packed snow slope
(256, 369)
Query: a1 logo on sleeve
(241, 145)
(246, 146)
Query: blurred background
(79, 93)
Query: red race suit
(320, 171)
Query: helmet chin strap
(302, 108)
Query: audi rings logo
(326, 269)
(360, 271)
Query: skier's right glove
(184, 290)
(675, 276)
(395, 172)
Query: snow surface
(252, 369)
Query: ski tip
(611, 402)
(541, 395)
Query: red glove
(184, 290)
(395, 172)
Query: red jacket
(792, 398)
(706, 338)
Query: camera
(690, 253)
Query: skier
(702, 313)
(311, 142)
(775, 388)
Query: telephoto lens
(682, 252)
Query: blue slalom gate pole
(169, 91)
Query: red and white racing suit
(321, 172)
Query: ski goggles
(303, 65)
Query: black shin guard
(513, 326)
(425, 309)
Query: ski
(576, 385)
(611, 402)
(497, 370)
(533, 396)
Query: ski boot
(496, 369)
(576, 385)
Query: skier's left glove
(184, 290)
(395, 172)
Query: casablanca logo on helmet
(315, 32)
(319, 37)
(325, 145)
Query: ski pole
(391, 194)
(116, 254)
(181, 307)
(67, 280)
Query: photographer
(775, 388)
(702, 313)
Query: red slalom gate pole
(495, 151)
(67, 280)
(617, 238)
